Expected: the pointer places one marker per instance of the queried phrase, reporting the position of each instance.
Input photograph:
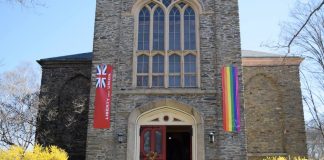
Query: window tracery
(166, 46)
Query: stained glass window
(166, 2)
(190, 70)
(158, 70)
(144, 29)
(174, 71)
(181, 4)
(169, 23)
(142, 64)
(190, 63)
(142, 70)
(189, 29)
(174, 29)
(152, 4)
(158, 64)
(158, 30)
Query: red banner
(103, 96)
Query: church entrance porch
(166, 142)
(165, 130)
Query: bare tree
(315, 142)
(309, 43)
(18, 106)
(304, 36)
(304, 24)
(25, 3)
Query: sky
(64, 27)
(61, 27)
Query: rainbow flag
(231, 99)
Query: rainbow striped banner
(231, 99)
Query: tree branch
(303, 26)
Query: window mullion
(151, 48)
(181, 30)
(182, 84)
(179, 48)
(166, 69)
(166, 48)
(150, 70)
(182, 78)
(198, 69)
(151, 30)
(166, 31)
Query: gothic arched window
(158, 29)
(189, 29)
(174, 29)
(158, 71)
(174, 71)
(144, 29)
(167, 52)
(190, 70)
(142, 70)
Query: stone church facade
(167, 93)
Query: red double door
(153, 143)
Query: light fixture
(120, 137)
(211, 137)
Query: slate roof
(73, 57)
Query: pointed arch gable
(165, 103)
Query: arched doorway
(157, 128)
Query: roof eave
(51, 62)
(271, 61)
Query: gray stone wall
(274, 112)
(113, 44)
(64, 99)
(272, 95)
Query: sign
(102, 102)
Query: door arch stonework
(154, 113)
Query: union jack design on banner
(102, 103)
(101, 76)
